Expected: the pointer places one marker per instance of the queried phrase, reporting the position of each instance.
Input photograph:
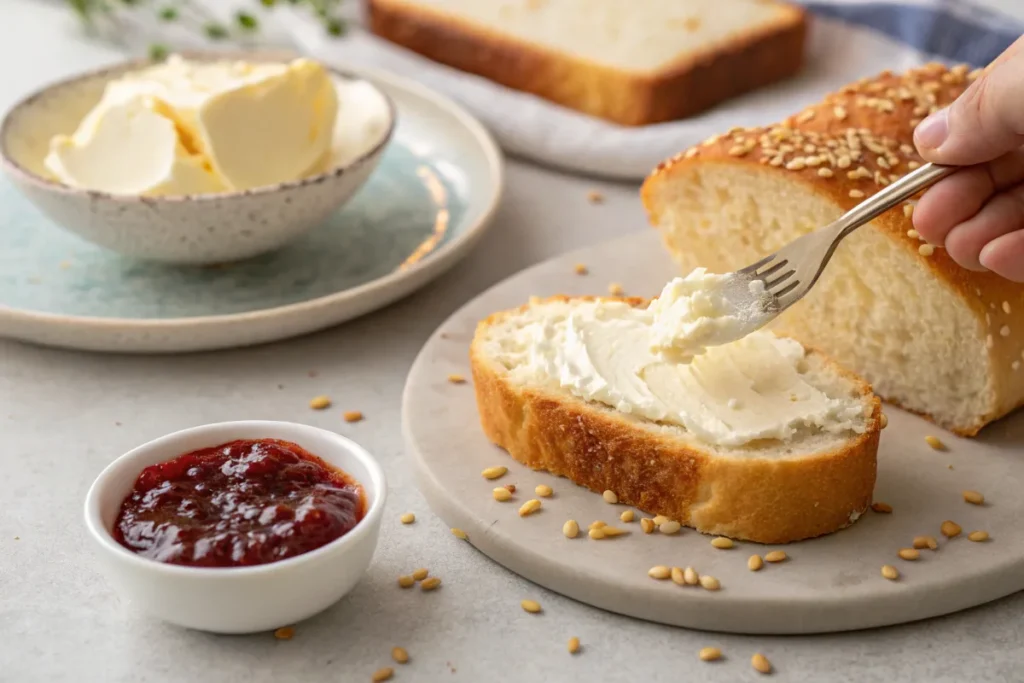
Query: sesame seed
(595, 197)
(571, 529)
(913, 165)
(881, 508)
(840, 113)
(580, 269)
(797, 164)
(659, 572)
(670, 527)
(531, 606)
(754, 563)
(627, 516)
(457, 379)
(494, 472)
(973, 497)
(722, 543)
(407, 518)
(977, 536)
(690, 576)
(320, 403)
(529, 507)
(1004, 331)
(776, 556)
(709, 583)
(459, 534)
(926, 250)
(856, 194)
(420, 574)
(1006, 307)
(381, 675)
(913, 234)
(883, 421)
(406, 581)
(543, 490)
(922, 542)
(934, 442)
(610, 497)
(430, 584)
(692, 152)
(615, 289)
(761, 664)
(737, 150)
(1015, 365)
(285, 633)
(989, 341)
(825, 172)
(647, 525)
(890, 572)
(677, 576)
(909, 554)
(574, 645)
(844, 162)
(399, 655)
(596, 534)
(950, 529)
(908, 210)
(806, 116)
(709, 654)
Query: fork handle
(901, 190)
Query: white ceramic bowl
(237, 599)
(189, 229)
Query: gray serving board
(828, 584)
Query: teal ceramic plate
(424, 207)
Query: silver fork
(789, 273)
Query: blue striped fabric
(947, 29)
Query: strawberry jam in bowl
(242, 503)
(237, 527)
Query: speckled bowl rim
(111, 71)
(496, 165)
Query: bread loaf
(633, 63)
(929, 335)
(768, 490)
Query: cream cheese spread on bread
(731, 395)
(700, 310)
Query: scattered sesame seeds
(690, 576)
(890, 572)
(457, 379)
(320, 403)
(543, 490)
(531, 606)
(974, 497)
(596, 534)
(571, 528)
(908, 211)
(909, 554)
(494, 472)
(352, 416)
(501, 494)
(610, 497)
(574, 645)
(709, 654)
(883, 420)
(977, 536)
(399, 655)
(1015, 365)
(615, 289)
(406, 581)
(529, 507)
(913, 234)
(597, 524)
(926, 250)
(825, 172)
(950, 529)
(407, 518)
(761, 664)
(754, 563)
(989, 341)
(709, 583)
(806, 116)
(1004, 331)
(459, 534)
(580, 269)
(285, 633)
(880, 507)
(420, 574)
(595, 197)
(659, 572)
(430, 583)
(384, 674)
(670, 527)
(776, 556)
(921, 542)
(647, 525)
(612, 531)
(856, 194)
(1006, 307)
(722, 543)
(627, 516)
(934, 442)
(677, 576)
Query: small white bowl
(188, 229)
(237, 599)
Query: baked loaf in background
(769, 490)
(633, 63)
(928, 335)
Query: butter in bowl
(198, 159)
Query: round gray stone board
(833, 583)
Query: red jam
(241, 503)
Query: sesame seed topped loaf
(627, 62)
(929, 335)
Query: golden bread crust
(878, 117)
(750, 498)
(761, 56)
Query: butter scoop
(701, 310)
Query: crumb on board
(595, 197)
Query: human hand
(977, 214)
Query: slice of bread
(633, 63)
(928, 335)
(769, 491)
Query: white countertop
(65, 415)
